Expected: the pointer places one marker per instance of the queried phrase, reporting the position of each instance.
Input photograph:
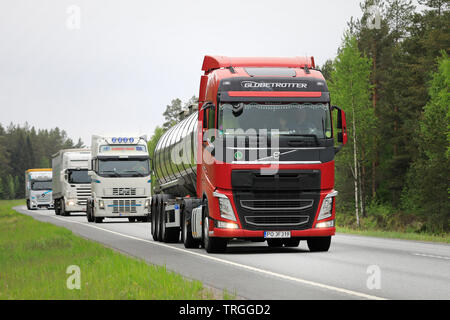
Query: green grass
(34, 257)
(396, 234)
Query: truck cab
(121, 181)
(38, 189)
(71, 182)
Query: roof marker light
(125, 140)
(114, 140)
(119, 140)
(131, 140)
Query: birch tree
(351, 89)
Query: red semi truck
(255, 162)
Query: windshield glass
(124, 167)
(288, 119)
(41, 185)
(79, 176)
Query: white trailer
(121, 181)
(71, 182)
(38, 188)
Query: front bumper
(242, 233)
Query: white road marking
(235, 264)
(430, 256)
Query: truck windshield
(124, 167)
(289, 119)
(79, 176)
(41, 185)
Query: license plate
(277, 234)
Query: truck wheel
(291, 243)
(28, 204)
(63, 208)
(186, 229)
(57, 212)
(89, 212)
(98, 220)
(171, 235)
(275, 243)
(319, 244)
(211, 244)
(154, 226)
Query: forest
(391, 75)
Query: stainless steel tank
(174, 160)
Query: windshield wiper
(116, 174)
(302, 135)
(136, 173)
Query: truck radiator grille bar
(83, 193)
(277, 220)
(282, 205)
(124, 206)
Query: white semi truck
(71, 182)
(121, 181)
(38, 188)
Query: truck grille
(124, 206)
(83, 193)
(276, 210)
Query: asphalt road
(356, 267)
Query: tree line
(393, 82)
(24, 147)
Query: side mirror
(342, 125)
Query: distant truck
(38, 188)
(121, 182)
(71, 182)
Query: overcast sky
(129, 59)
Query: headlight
(225, 207)
(327, 206)
(70, 202)
(101, 204)
(147, 204)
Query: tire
(168, 235)
(62, 211)
(275, 243)
(154, 216)
(186, 229)
(321, 244)
(89, 212)
(28, 205)
(98, 219)
(211, 244)
(291, 243)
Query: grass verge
(35, 257)
(395, 235)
